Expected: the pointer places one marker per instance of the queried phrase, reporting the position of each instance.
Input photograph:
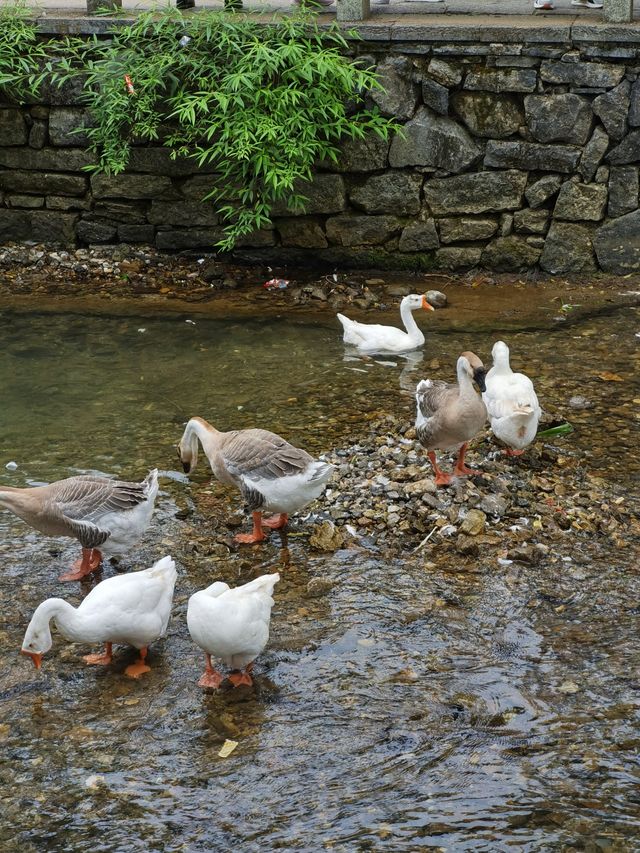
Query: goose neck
(408, 320)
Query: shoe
(589, 4)
(547, 5)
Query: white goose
(272, 475)
(449, 416)
(369, 338)
(131, 609)
(106, 516)
(233, 625)
(511, 403)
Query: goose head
(470, 365)
(416, 300)
(187, 449)
(37, 639)
(500, 354)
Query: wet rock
(474, 522)
(580, 402)
(318, 587)
(493, 505)
(467, 546)
(437, 298)
(569, 687)
(524, 554)
(326, 537)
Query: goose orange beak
(426, 305)
(36, 657)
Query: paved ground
(563, 8)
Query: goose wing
(258, 454)
(81, 502)
(432, 397)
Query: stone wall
(515, 154)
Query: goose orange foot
(211, 677)
(138, 667)
(442, 479)
(511, 452)
(238, 678)
(461, 469)
(276, 521)
(100, 659)
(91, 559)
(256, 535)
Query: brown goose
(271, 474)
(449, 416)
(105, 516)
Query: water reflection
(407, 706)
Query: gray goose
(449, 415)
(271, 474)
(106, 516)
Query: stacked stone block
(511, 157)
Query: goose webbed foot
(91, 560)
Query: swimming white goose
(233, 625)
(375, 338)
(511, 403)
(106, 516)
(449, 416)
(132, 609)
(272, 475)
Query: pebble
(437, 298)
(474, 522)
(580, 402)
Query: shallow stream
(406, 708)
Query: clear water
(405, 709)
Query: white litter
(11, 466)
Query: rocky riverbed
(544, 505)
(468, 651)
(129, 279)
